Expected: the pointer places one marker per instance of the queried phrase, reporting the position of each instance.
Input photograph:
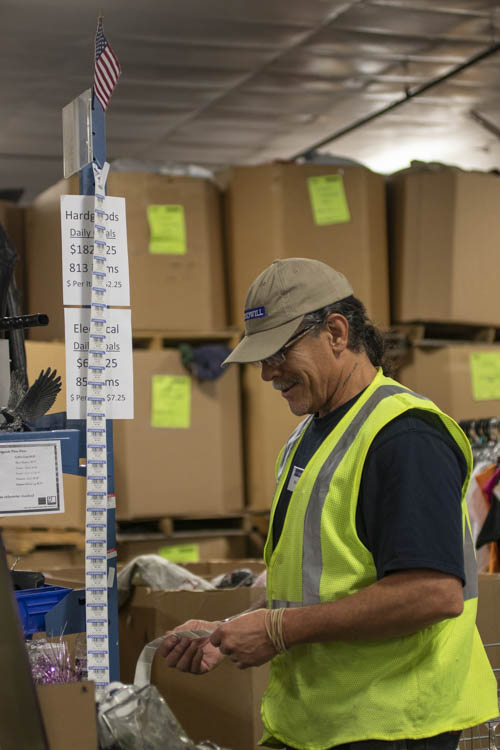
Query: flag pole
(87, 187)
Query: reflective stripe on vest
(292, 440)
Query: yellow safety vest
(324, 694)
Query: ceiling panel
(305, 62)
(380, 18)
(242, 81)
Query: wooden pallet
(183, 526)
(24, 541)
(434, 333)
(162, 339)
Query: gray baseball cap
(279, 298)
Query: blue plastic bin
(33, 605)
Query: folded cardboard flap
(69, 715)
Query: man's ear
(338, 327)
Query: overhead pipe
(406, 98)
(486, 124)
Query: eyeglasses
(277, 359)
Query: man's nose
(268, 372)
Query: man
(371, 580)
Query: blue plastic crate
(33, 605)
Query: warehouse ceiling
(218, 82)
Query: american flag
(107, 68)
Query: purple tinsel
(50, 662)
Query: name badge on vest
(294, 478)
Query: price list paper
(110, 347)
(88, 230)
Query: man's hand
(197, 655)
(244, 639)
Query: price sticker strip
(96, 528)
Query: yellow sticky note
(171, 401)
(485, 376)
(181, 553)
(167, 229)
(328, 200)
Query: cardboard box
(223, 547)
(66, 707)
(162, 471)
(224, 705)
(267, 425)
(49, 558)
(12, 218)
(443, 374)
(155, 467)
(175, 292)
(444, 225)
(269, 216)
(74, 488)
(214, 567)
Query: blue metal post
(87, 188)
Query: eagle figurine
(27, 405)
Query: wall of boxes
(418, 247)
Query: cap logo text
(255, 312)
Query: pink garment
(478, 507)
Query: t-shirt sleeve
(409, 507)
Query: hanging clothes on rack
(483, 496)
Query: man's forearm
(398, 605)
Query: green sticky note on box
(328, 199)
(485, 376)
(167, 229)
(171, 401)
(181, 553)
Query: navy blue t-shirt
(409, 503)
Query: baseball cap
(279, 298)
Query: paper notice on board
(328, 200)
(171, 401)
(31, 480)
(167, 229)
(485, 376)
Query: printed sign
(78, 247)
(116, 358)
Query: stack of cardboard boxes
(443, 226)
(443, 267)
(162, 467)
